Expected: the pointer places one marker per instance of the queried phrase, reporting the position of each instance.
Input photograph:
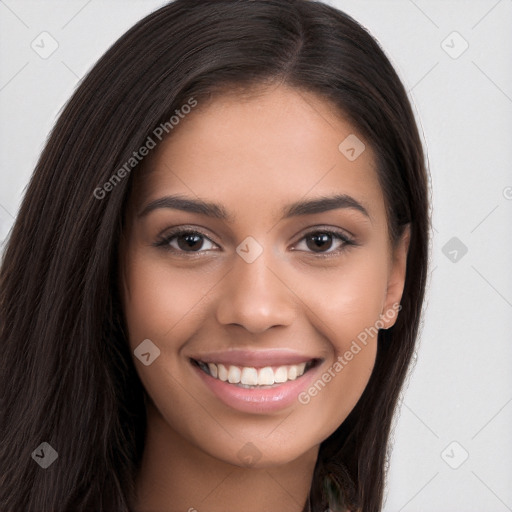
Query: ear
(396, 279)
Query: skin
(252, 155)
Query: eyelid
(342, 235)
(322, 228)
(167, 232)
(347, 241)
(170, 233)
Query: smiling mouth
(249, 377)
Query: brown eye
(183, 241)
(190, 241)
(326, 242)
(319, 242)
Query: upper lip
(256, 358)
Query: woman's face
(277, 277)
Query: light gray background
(458, 399)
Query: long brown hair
(67, 375)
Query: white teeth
(281, 374)
(223, 372)
(266, 376)
(234, 374)
(213, 369)
(250, 376)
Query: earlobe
(396, 280)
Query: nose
(256, 296)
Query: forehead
(275, 146)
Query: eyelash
(164, 242)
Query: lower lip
(258, 400)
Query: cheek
(164, 304)
(347, 321)
(344, 305)
(333, 395)
(345, 300)
(163, 301)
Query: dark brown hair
(67, 375)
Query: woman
(212, 291)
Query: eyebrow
(217, 211)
